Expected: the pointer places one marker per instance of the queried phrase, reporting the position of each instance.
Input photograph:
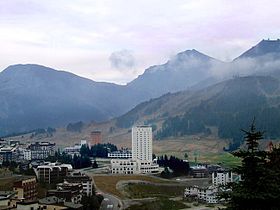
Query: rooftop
(51, 200)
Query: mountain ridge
(32, 92)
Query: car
(110, 206)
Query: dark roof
(51, 200)
(73, 205)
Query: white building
(206, 194)
(131, 166)
(142, 139)
(75, 150)
(222, 178)
(142, 151)
(26, 154)
(86, 181)
(124, 166)
(83, 142)
(120, 154)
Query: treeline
(76, 161)
(180, 126)
(34, 132)
(228, 116)
(178, 166)
(98, 150)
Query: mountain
(227, 106)
(265, 47)
(183, 71)
(33, 96)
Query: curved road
(110, 202)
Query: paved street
(110, 202)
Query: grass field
(7, 183)
(226, 159)
(108, 183)
(149, 190)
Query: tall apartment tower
(142, 144)
(95, 137)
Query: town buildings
(222, 178)
(69, 192)
(208, 193)
(85, 180)
(122, 154)
(41, 150)
(26, 189)
(141, 161)
(142, 148)
(8, 153)
(199, 171)
(52, 172)
(75, 150)
(55, 203)
(95, 137)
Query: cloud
(262, 65)
(122, 59)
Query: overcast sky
(115, 40)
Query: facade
(124, 166)
(8, 154)
(120, 154)
(206, 194)
(75, 150)
(26, 189)
(95, 137)
(141, 161)
(222, 178)
(41, 150)
(142, 143)
(131, 166)
(52, 172)
(199, 171)
(85, 180)
(69, 192)
(27, 154)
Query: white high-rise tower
(142, 145)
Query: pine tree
(257, 190)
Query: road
(110, 202)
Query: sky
(116, 40)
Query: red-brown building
(95, 137)
(26, 189)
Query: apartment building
(141, 161)
(26, 189)
(142, 138)
(122, 154)
(52, 172)
(41, 150)
(85, 180)
(69, 192)
(207, 194)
